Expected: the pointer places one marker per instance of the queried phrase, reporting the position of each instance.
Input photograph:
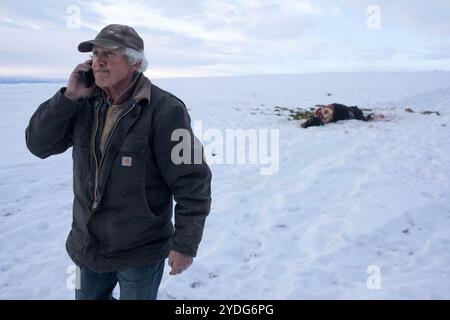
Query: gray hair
(134, 56)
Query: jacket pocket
(136, 147)
(129, 164)
(126, 186)
(134, 144)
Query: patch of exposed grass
(294, 114)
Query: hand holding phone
(81, 82)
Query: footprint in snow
(196, 284)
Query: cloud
(232, 37)
(440, 51)
(153, 18)
(425, 18)
(264, 19)
(214, 20)
(21, 25)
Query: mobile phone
(88, 78)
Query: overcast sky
(241, 37)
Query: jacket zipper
(93, 141)
(98, 165)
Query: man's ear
(136, 66)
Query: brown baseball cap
(114, 36)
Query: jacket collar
(139, 91)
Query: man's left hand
(179, 262)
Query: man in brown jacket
(125, 175)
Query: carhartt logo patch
(126, 161)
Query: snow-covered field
(356, 210)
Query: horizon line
(5, 79)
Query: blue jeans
(135, 283)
